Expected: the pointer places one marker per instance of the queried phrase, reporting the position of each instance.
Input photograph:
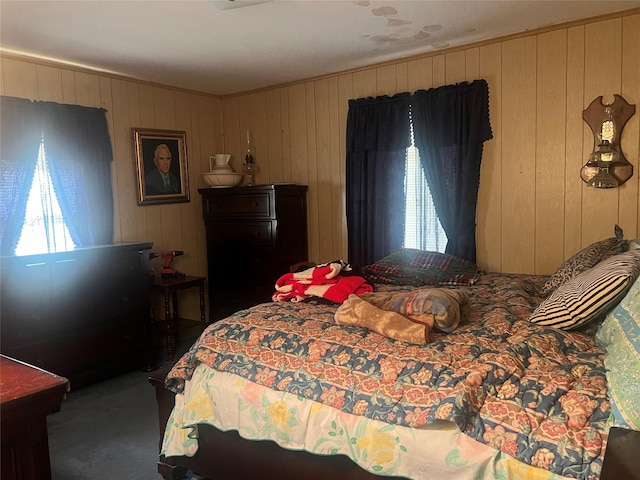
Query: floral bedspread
(535, 393)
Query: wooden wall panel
(533, 208)
(202, 110)
(231, 133)
(574, 142)
(134, 119)
(603, 76)
(420, 74)
(87, 89)
(285, 135)
(69, 86)
(386, 80)
(20, 79)
(336, 170)
(123, 177)
(49, 83)
(274, 136)
(259, 130)
(472, 64)
(322, 196)
(550, 137)
(345, 92)
(402, 77)
(298, 133)
(2, 69)
(310, 174)
(455, 68)
(439, 70)
(365, 83)
(629, 217)
(518, 154)
(489, 213)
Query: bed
(284, 390)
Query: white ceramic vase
(220, 163)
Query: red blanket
(323, 281)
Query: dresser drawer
(240, 233)
(254, 205)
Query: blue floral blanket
(535, 393)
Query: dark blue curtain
(78, 151)
(20, 136)
(451, 123)
(378, 134)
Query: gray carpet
(107, 431)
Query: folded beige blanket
(406, 316)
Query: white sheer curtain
(44, 230)
(422, 227)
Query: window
(71, 148)
(422, 226)
(44, 229)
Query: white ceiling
(224, 47)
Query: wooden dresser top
(19, 381)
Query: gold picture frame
(161, 166)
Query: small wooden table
(170, 287)
(27, 395)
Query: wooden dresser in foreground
(27, 396)
(254, 233)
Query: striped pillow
(589, 295)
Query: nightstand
(169, 288)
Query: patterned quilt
(535, 393)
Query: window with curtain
(44, 229)
(422, 227)
(55, 177)
(450, 125)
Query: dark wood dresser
(82, 314)
(254, 233)
(27, 396)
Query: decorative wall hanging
(161, 166)
(607, 167)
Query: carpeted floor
(108, 431)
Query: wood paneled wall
(534, 211)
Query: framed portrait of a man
(161, 166)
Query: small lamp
(249, 166)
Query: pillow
(585, 259)
(619, 335)
(590, 294)
(410, 266)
